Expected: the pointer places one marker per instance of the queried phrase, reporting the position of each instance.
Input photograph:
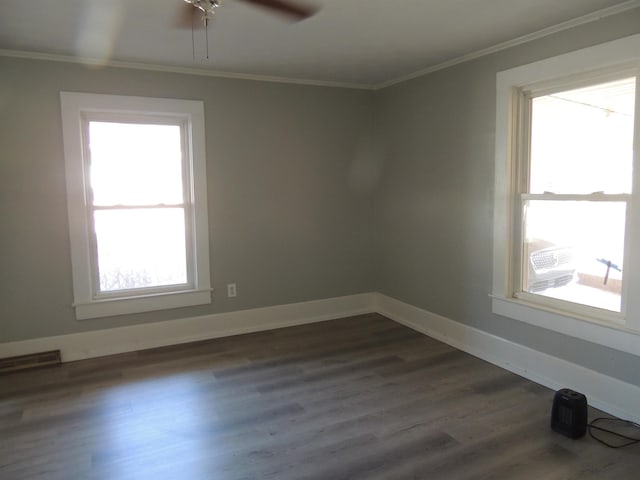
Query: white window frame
(619, 331)
(77, 109)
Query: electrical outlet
(231, 290)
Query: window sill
(147, 303)
(606, 334)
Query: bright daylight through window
(136, 184)
(577, 186)
(138, 206)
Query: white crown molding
(92, 62)
(591, 17)
(545, 32)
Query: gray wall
(289, 221)
(436, 200)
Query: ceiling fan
(198, 13)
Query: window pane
(140, 248)
(135, 164)
(567, 250)
(582, 140)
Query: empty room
(319, 239)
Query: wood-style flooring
(355, 398)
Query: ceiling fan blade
(188, 17)
(295, 10)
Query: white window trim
(605, 58)
(86, 303)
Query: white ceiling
(357, 42)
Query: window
(136, 185)
(575, 184)
(566, 219)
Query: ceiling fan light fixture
(208, 7)
(294, 9)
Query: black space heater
(569, 413)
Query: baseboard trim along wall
(606, 393)
(98, 343)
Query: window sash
(187, 204)
(189, 284)
(592, 197)
(520, 262)
(521, 119)
(581, 309)
(137, 119)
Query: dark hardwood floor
(356, 398)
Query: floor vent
(33, 360)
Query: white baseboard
(606, 393)
(97, 343)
